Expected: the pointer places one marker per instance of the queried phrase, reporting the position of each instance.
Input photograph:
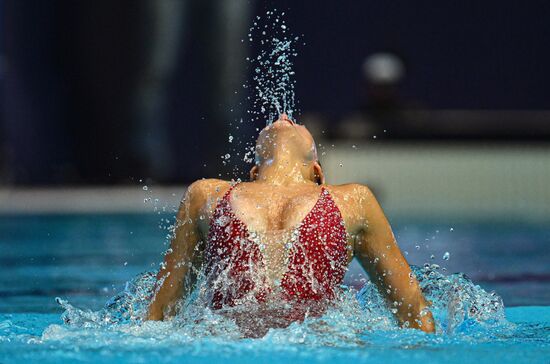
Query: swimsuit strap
(228, 192)
(324, 195)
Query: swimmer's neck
(284, 174)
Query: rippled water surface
(87, 259)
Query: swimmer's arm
(171, 276)
(379, 254)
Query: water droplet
(145, 188)
(446, 256)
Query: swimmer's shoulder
(207, 188)
(350, 190)
(353, 201)
(351, 196)
(203, 195)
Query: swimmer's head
(287, 144)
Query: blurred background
(104, 92)
(418, 100)
(441, 107)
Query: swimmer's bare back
(286, 183)
(270, 208)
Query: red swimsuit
(317, 257)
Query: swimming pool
(87, 258)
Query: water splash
(128, 307)
(273, 73)
(459, 307)
(457, 304)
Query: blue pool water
(86, 259)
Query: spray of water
(459, 306)
(273, 74)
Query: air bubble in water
(145, 188)
(446, 256)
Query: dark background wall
(459, 54)
(116, 91)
